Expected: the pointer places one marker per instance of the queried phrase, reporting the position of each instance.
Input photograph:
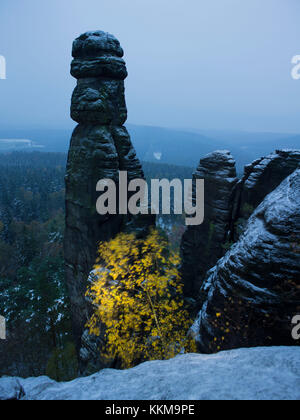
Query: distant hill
(171, 146)
(187, 147)
(248, 146)
(46, 140)
(157, 144)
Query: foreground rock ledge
(246, 374)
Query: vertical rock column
(203, 245)
(100, 148)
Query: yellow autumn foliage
(138, 295)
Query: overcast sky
(204, 64)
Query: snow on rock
(271, 373)
(265, 175)
(10, 389)
(253, 292)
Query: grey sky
(211, 64)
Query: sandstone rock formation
(202, 245)
(260, 178)
(254, 291)
(228, 205)
(244, 374)
(100, 148)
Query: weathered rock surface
(260, 178)
(11, 389)
(254, 291)
(228, 205)
(100, 148)
(244, 374)
(202, 245)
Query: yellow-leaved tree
(138, 295)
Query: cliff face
(260, 178)
(100, 147)
(229, 203)
(254, 291)
(250, 296)
(202, 245)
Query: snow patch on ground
(256, 374)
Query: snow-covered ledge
(260, 373)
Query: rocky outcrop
(228, 205)
(254, 291)
(202, 245)
(260, 178)
(100, 148)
